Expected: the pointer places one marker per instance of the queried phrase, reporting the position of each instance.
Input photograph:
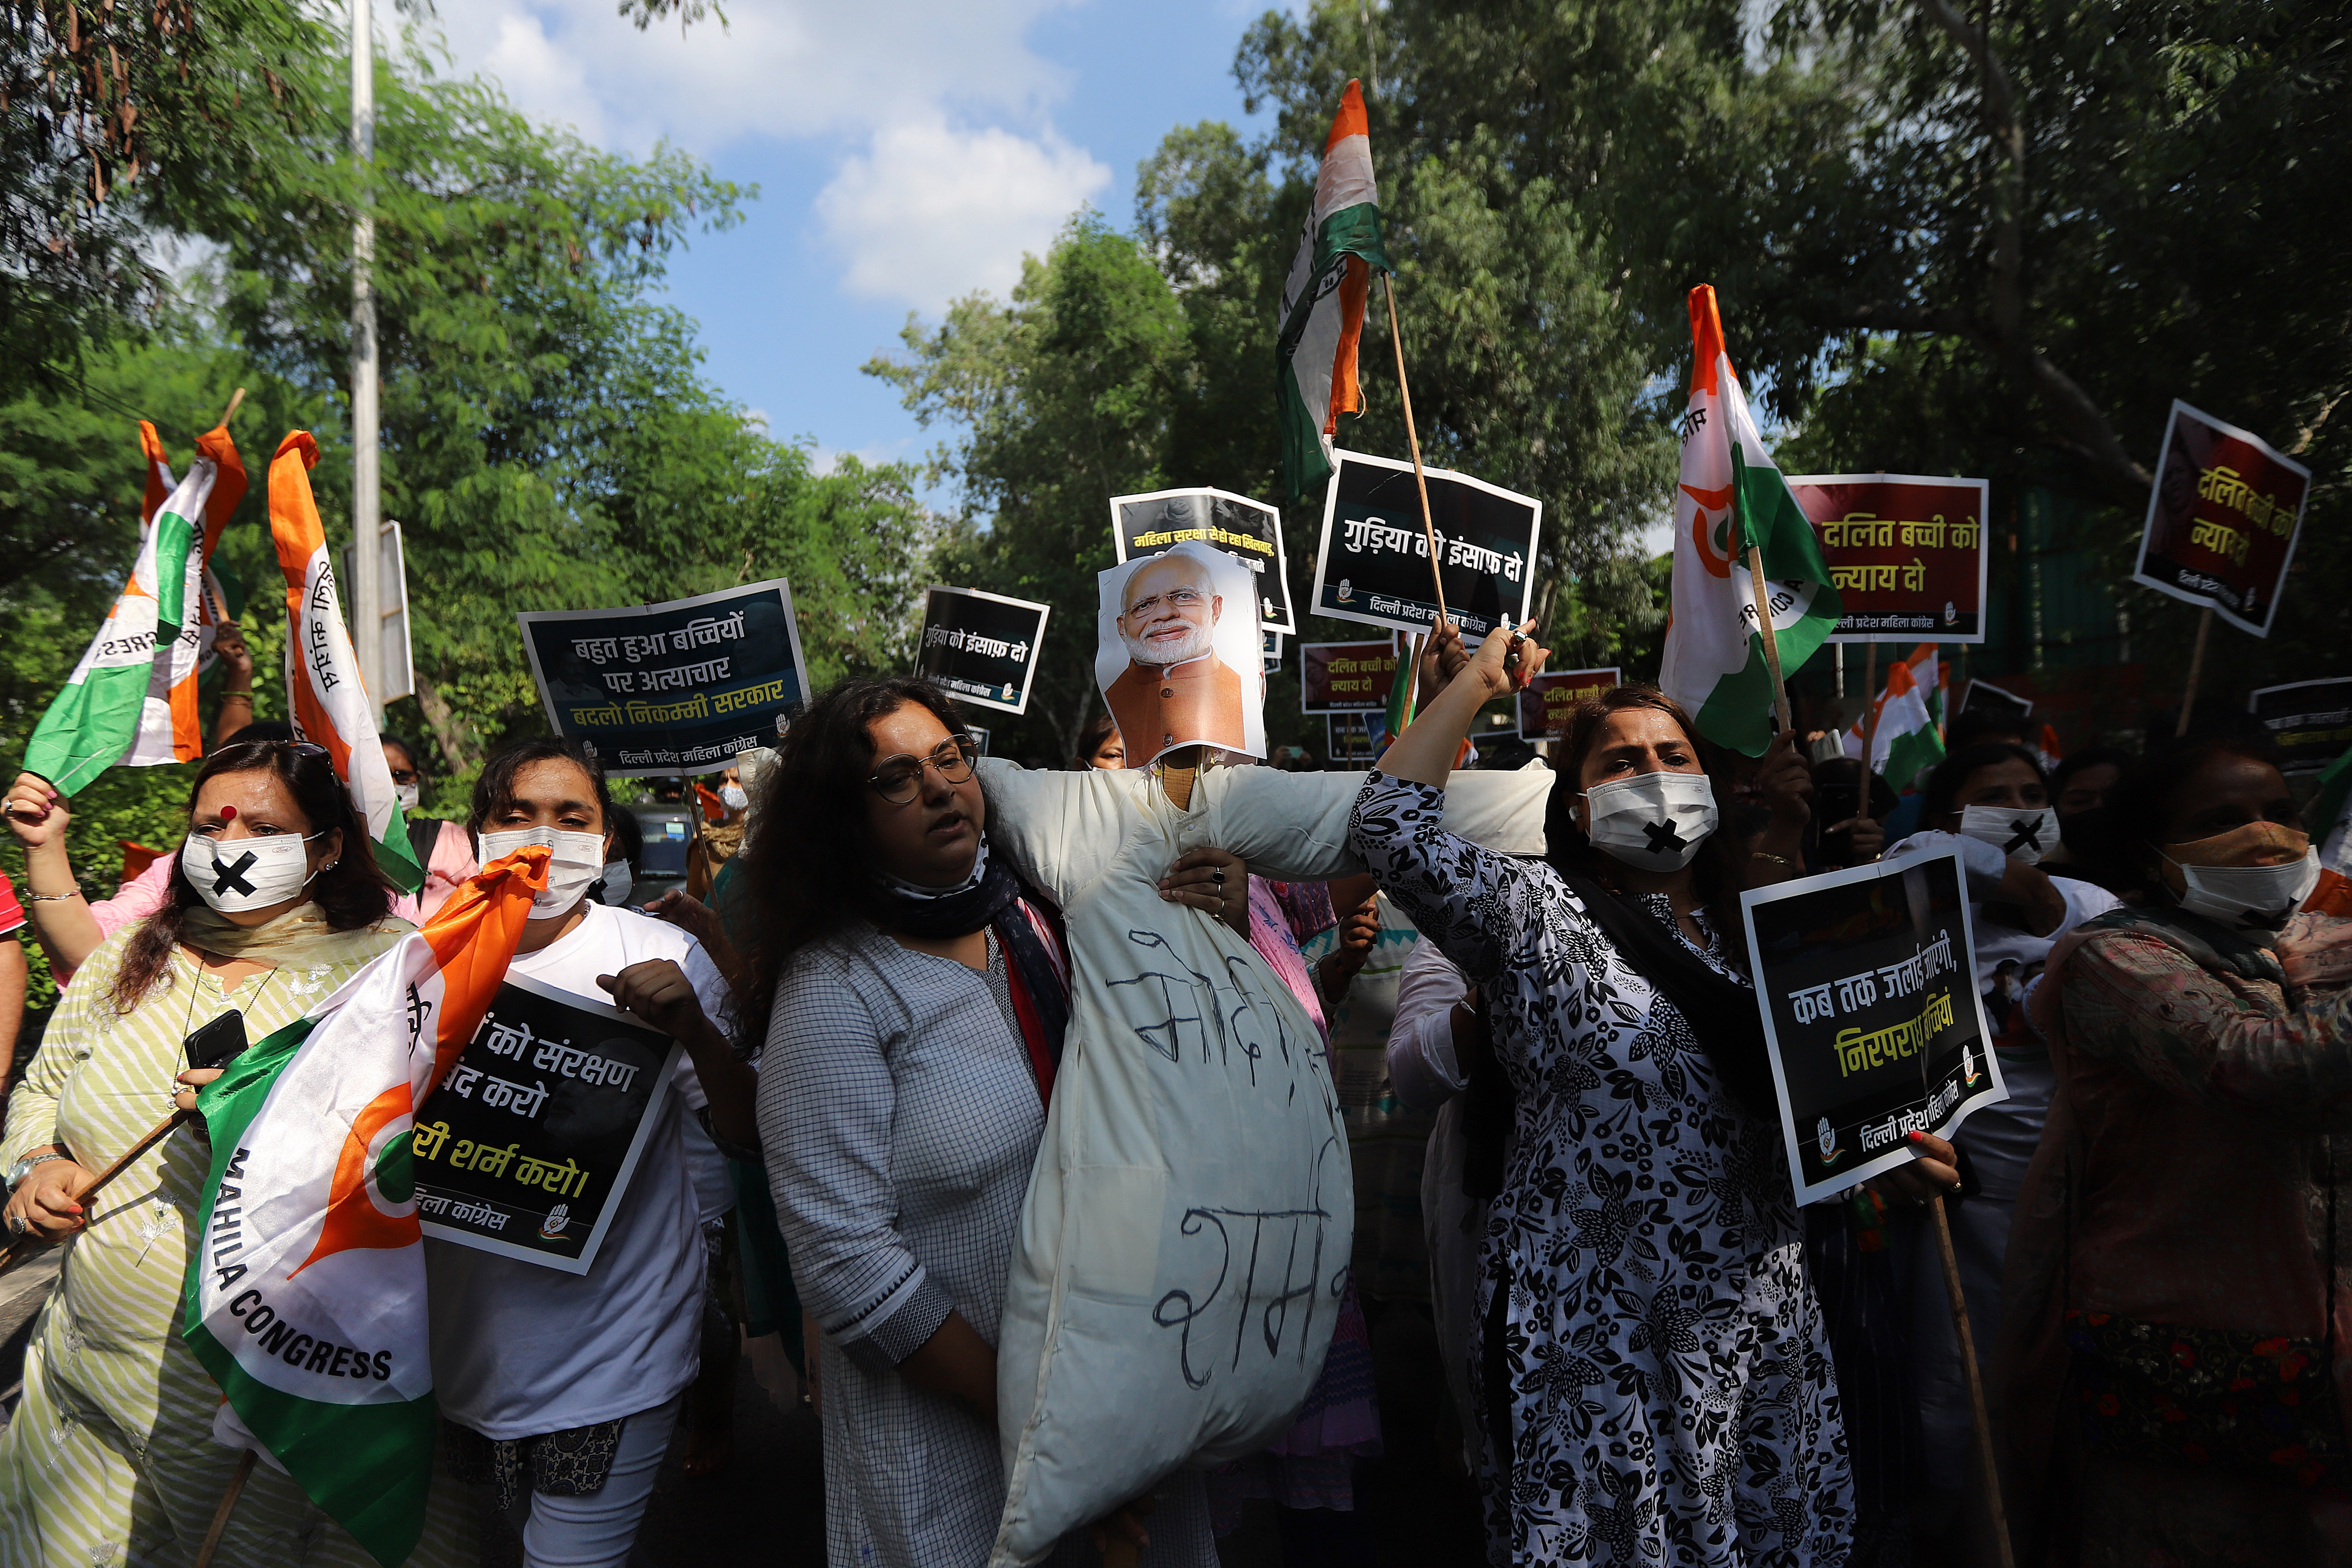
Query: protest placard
(1347, 741)
(1346, 677)
(1270, 651)
(1866, 979)
(1906, 550)
(528, 1145)
(980, 647)
(2223, 518)
(1984, 697)
(1178, 654)
(675, 687)
(2310, 722)
(979, 737)
(1372, 564)
(1545, 703)
(1248, 530)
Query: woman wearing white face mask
(1652, 1375)
(565, 1388)
(1991, 803)
(2173, 1369)
(274, 903)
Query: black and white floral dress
(1672, 1396)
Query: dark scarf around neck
(1041, 995)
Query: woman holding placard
(1653, 1369)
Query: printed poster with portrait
(527, 1146)
(1248, 530)
(1907, 551)
(2223, 519)
(1372, 564)
(674, 688)
(1179, 655)
(1866, 979)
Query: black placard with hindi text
(980, 647)
(1374, 564)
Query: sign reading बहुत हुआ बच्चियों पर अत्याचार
(980, 647)
(675, 687)
(1248, 530)
(1372, 562)
(1867, 980)
(1906, 552)
(529, 1143)
(2223, 518)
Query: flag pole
(1869, 719)
(237, 400)
(23, 1246)
(1977, 1408)
(1412, 439)
(227, 1505)
(1771, 641)
(2196, 669)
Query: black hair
(352, 892)
(2138, 806)
(2088, 757)
(415, 757)
(262, 729)
(1944, 784)
(1099, 727)
(495, 790)
(1973, 726)
(628, 838)
(808, 861)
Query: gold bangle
(1776, 859)
(246, 694)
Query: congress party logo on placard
(2223, 518)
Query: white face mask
(2248, 898)
(408, 795)
(735, 796)
(234, 875)
(2023, 833)
(578, 862)
(613, 887)
(1654, 821)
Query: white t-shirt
(519, 1350)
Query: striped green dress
(108, 1461)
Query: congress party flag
(1905, 739)
(1732, 497)
(1323, 301)
(306, 1303)
(132, 697)
(323, 671)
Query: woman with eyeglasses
(273, 902)
(559, 1392)
(912, 997)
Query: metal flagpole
(366, 606)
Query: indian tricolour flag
(132, 697)
(1732, 497)
(1323, 301)
(1904, 738)
(322, 672)
(307, 1300)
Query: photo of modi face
(1178, 655)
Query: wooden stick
(229, 413)
(1118, 1555)
(1869, 719)
(1412, 439)
(1976, 1381)
(227, 1504)
(21, 1248)
(2196, 670)
(1771, 640)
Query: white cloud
(935, 114)
(930, 213)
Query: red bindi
(228, 814)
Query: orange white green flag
(307, 1301)
(1323, 301)
(323, 671)
(132, 700)
(1732, 497)
(1903, 740)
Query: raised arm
(2143, 1002)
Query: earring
(328, 866)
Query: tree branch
(1997, 105)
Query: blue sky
(907, 152)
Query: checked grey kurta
(1671, 1397)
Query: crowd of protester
(1584, 1313)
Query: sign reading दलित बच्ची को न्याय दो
(980, 647)
(1372, 564)
(527, 1145)
(1545, 702)
(1868, 982)
(676, 688)
(2223, 518)
(1346, 677)
(1906, 550)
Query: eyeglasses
(900, 779)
